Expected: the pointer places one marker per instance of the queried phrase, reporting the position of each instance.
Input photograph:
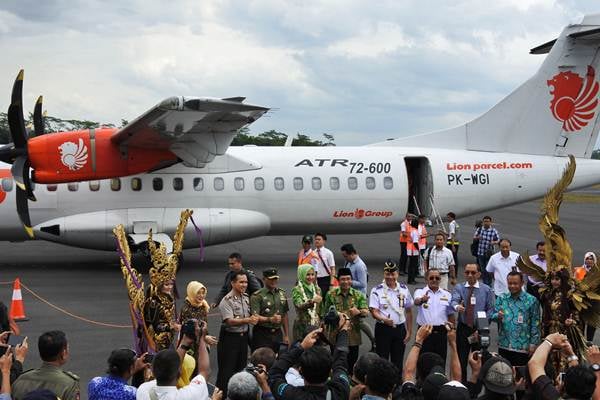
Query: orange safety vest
(306, 259)
(405, 236)
(580, 273)
(410, 246)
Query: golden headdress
(583, 294)
(164, 266)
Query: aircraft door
(420, 185)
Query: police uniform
(392, 303)
(267, 303)
(232, 349)
(434, 312)
(63, 384)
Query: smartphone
(14, 340)
(148, 358)
(4, 349)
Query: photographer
(316, 366)
(250, 384)
(347, 300)
(122, 365)
(579, 382)
(19, 352)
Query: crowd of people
(261, 354)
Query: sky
(362, 71)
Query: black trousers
(352, 357)
(413, 268)
(266, 337)
(403, 258)
(514, 357)
(455, 256)
(232, 356)
(437, 342)
(324, 283)
(390, 343)
(463, 347)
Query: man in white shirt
(539, 259)
(500, 265)
(166, 368)
(325, 264)
(441, 258)
(434, 309)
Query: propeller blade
(38, 118)
(20, 172)
(23, 211)
(16, 123)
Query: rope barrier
(72, 315)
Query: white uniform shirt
(196, 390)
(500, 267)
(440, 259)
(327, 256)
(452, 231)
(392, 306)
(438, 306)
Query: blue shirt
(359, 274)
(486, 237)
(520, 326)
(484, 299)
(110, 388)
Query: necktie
(469, 316)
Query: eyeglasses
(470, 272)
(435, 278)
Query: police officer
(352, 303)
(271, 306)
(434, 309)
(232, 350)
(390, 304)
(54, 353)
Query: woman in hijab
(306, 297)
(589, 261)
(196, 307)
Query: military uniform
(232, 349)
(343, 303)
(63, 384)
(392, 303)
(267, 303)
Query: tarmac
(86, 295)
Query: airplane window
(157, 184)
(136, 184)
(219, 184)
(388, 182)
(198, 184)
(279, 184)
(115, 184)
(259, 184)
(334, 183)
(177, 184)
(73, 186)
(370, 181)
(352, 183)
(238, 183)
(94, 186)
(298, 183)
(316, 183)
(52, 188)
(7, 184)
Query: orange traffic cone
(17, 310)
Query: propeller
(38, 118)
(17, 153)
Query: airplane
(177, 155)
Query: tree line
(244, 136)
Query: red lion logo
(359, 213)
(572, 103)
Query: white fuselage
(256, 191)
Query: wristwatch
(595, 367)
(572, 357)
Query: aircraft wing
(195, 129)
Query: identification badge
(520, 319)
(443, 299)
(473, 300)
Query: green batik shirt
(267, 303)
(343, 303)
(520, 326)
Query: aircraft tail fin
(555, 112)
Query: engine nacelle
(89, 155)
